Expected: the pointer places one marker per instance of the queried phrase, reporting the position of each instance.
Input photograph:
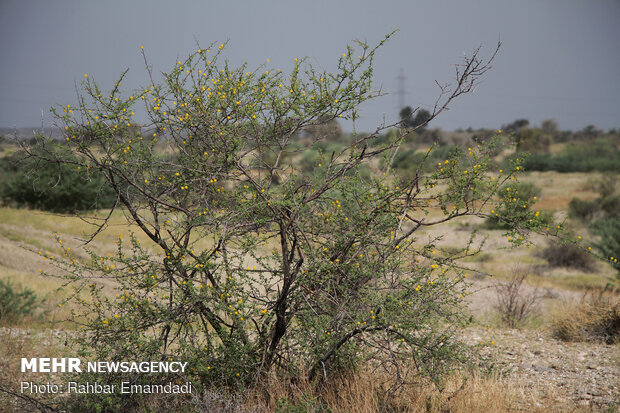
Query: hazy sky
(560, 59)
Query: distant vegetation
(599, 155)
(27, 182)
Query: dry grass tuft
(596, 319)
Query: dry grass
(16, 343)
(367, 392)
(559, 188)
(595, 319)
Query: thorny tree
(252, 264)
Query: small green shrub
(16, 303)
(607, 185)
(532, 140)
(538, 162)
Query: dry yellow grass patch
(558, 189)
(16, 343)
(595, 319)
(368, 392)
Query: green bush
(52, 187)
(538, 162)
(16, 303)
(606, 205)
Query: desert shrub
(595, 319)
(582, 209)
(608, 230)
(16, 303)
(538, 162)
(514, 304)
(606, 205)
(532, 140)
(601, 155)
(610, 205)
(568, 255)
(57, 187)
(607, 185)
(245, 278)
(607, 227)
